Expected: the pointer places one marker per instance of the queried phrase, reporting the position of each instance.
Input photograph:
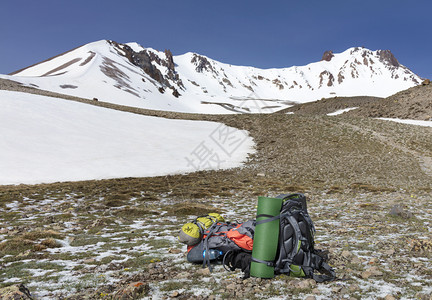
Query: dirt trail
(425, 161)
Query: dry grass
(41, 234)
(190, 209)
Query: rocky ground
(368, 182)
(414, 103)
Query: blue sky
(262, 34)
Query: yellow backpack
(191, 233)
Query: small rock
(310, 298)
(311, 283)
(356, 261)
(89, 260)
(336, 289)
(366, 274)
(316, 291)
(132, 290)
(174, 251)
(389, 297)
(371, 272)
(398, 210)
(261, 175)
(205, 272)
(346, 254)
(354, 288)
(231, 286)
(333, 244)
(294, 283)
(175, 294)
(182, 275)
(373, 260)
(344, 291)
(377, 274)
(390, 251)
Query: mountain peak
(130, 74)
(327, 56)
(387, 57)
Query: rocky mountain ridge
(130, 74)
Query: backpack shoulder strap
(214, 228)
(288, 255)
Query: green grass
(88, 239)
(85, 282)
(172, 286)
(158, 243)
(140, 262)
(22, 270)
(132, 212)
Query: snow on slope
(341, 111)
(410, 122)
(47, 140)
(130, 74)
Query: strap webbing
(266, 262)
(212, 229)
(329, 276)
(270, 219)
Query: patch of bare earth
(414, 103)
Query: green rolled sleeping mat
(266, 237)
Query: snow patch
(47, 139)
(341, 111)
(411, 122)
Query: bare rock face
(327, 56)
(201, 63)
(169, 60)
(326, 74)
(144, 61)
(148, 61)
(387, 57)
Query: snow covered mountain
(130, 74)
